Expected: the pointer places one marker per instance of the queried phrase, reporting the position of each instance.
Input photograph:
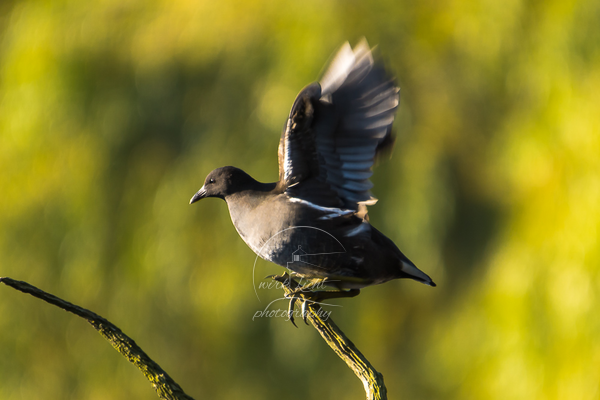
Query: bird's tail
(409, 270)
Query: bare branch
(343, 347)
(165, 386)
(168, 389)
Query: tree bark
(168, 389)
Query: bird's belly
(308, 249)
(293, 246)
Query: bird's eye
(211, 180)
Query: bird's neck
(248, 208)
(250, 196)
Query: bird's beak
(200, 194)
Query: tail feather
(412, 272)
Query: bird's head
(222, 182)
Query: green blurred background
(113, 112)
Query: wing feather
(336, 129)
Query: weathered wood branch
(168, 389)
(165, 386)
(343, 347)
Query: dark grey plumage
(334, 132)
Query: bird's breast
(261, 224)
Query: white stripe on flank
(334, 215)
(333, 211)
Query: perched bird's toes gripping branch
(306, 293)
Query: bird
(317, 210)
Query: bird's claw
(295, 291)
(291, 310)
(304, 311)
(303, 308)
(286, 280)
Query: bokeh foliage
(112, 113)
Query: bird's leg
(284, 279)
(314, 283)
(305, 293)
(319, 296)
(307, 290)
(289, 287)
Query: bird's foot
(285, 279)
(316, 297)
(289, 286)
(307, 295)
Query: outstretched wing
(336, 129)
